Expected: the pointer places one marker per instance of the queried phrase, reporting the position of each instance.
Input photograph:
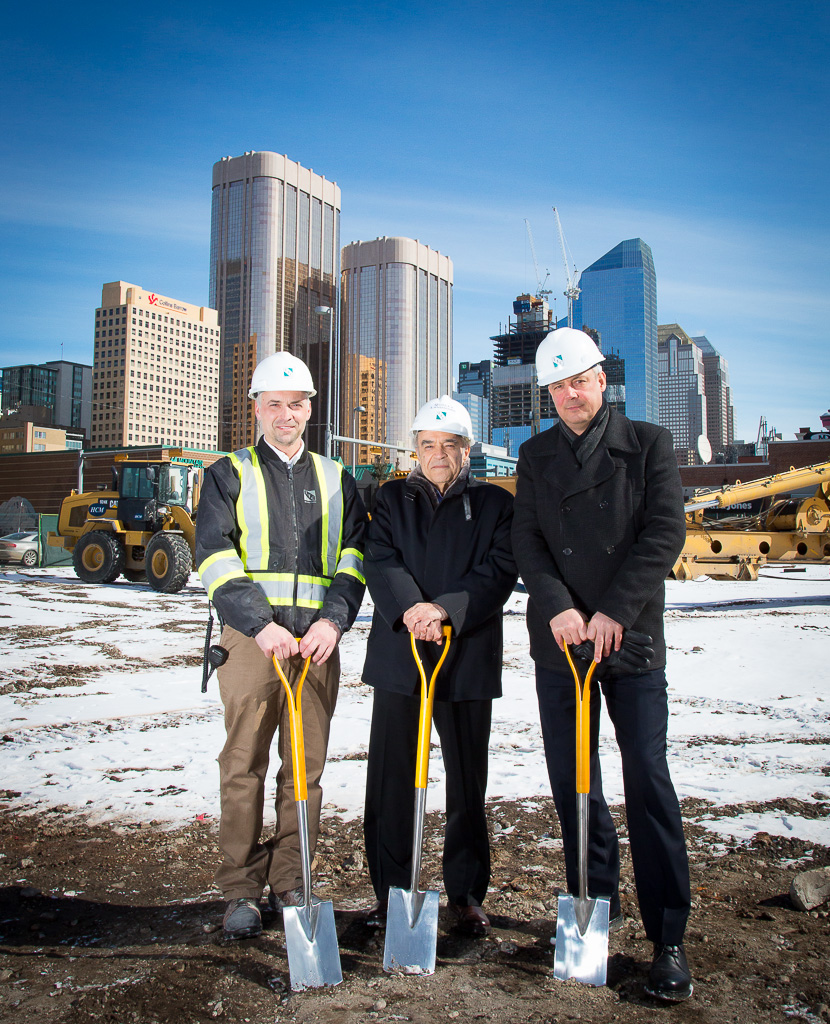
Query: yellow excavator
(143, 527)
(783, 530)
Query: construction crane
(572, 291)
(541, 291)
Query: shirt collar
(282, 456)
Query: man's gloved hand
(634, 655)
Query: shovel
(310, 933)
(582, 923)
(412, 915)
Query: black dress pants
(638, 708)
(464, 731)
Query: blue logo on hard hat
(442, 414)
(558, 359)
(288, 371)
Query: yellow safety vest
(282, 588)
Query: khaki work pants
(255, 708)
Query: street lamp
(355, 411)
(321, 310)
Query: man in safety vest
(279, 546)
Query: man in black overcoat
(438, 551)
(598, 524)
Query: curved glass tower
(618, 298)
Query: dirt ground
(121, 924)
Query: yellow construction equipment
(787, 531)
(143, 527)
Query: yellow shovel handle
(583, 725)
(295, 720)
(427, 700)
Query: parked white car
(20, 547)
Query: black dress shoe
(471, 920)
(669, 978)
(376, 915)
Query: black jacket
(599, 538)
(457, 555)
(295, 538)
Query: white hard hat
(563, 353)
(444, 414)
(281, 372)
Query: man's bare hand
(605, 633)
(320, 640)
(568, 627)
(423, 620)
(276, 641)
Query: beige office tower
(274, 246)
(681, 391)
(395, 340)
(155, 371)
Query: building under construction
(517, 400)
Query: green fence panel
(48, 554)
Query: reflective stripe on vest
(351, 562)
(251, 509)
(219, 568)
(329, 476)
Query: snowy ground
(102, 711)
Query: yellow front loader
(143, 527)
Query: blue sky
(700, 127)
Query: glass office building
(395, 339)
(63, 390)
(274, 249)
(618, 298)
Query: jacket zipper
(296, 533)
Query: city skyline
(110, 137)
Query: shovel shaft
(295, 721)
(583, 724)
(305, 851)
(418, 836)
(583, 767)
(582, 843)
(427, 700)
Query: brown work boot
(286, 898)
(471, 919)
(242, 919)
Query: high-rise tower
(618, 298)
(719, 411)
(682, 391)
(395, 339)
(274, 249)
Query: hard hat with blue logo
(281, 372)
(564, 353)
(444, 414)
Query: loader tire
(167, 562)
(98, 557)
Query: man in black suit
(438, 551)
(598, 525)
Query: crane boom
(540, 284)
(572, 290)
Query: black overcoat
(457, 555)
(601, 537)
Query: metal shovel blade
(311, 941)
(411, 932)
(582, 940)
